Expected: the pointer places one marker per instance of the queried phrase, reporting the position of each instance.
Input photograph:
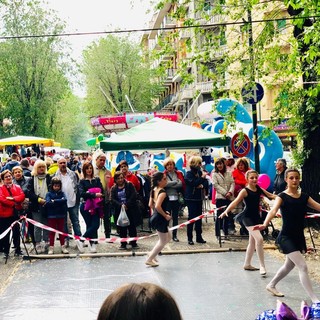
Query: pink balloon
(264, 181)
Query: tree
(32, 78)
(113, 69)
(280, 55)
(307, 34)
(71, 127)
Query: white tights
(255, 243)
(164, 238)
(295, 259)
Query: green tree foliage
(113, 68)
(284, 56)
(71, 127)
(32, 79)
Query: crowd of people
(56, 189)
(53, 190)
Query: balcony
(184, 34)
(209, 17)
(170, 73)
(204, 87)
(168, 22)
(157, 19)
(219, 52)
(217, 18)
(186, 93)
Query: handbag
(181, 198)
(123, 220)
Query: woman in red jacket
(239, 175)
(11, 198)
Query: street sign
(240, 145)
(252, 95)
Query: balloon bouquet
(284, 312)
(270, 147)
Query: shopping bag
(123, 220)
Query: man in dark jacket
(279, 183)
(12, 163)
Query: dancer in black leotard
(160, 218)
(293, 205)
(250, 216)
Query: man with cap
(12, 163)
(279, 183)
(230, 163)
(69, 181)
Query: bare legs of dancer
(293, 259)
(164, 238)
(255, 243)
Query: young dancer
(160, 217)
(291, 241)
(250, 216)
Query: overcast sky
(100, 15)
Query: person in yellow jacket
(54, 166)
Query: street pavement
(208, 282)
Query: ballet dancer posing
(250, 217)
(291, 241)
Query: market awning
(159, 133)
(26, 140)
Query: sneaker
(217, 238)
(123, 247)
(66, 243)
(93, 248)
(50, 251)
(64, 249)
(134, 245)
(39, 248)
(80, 246)
(45, 246)
(85, 244)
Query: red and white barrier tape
(116, 239)
(109, 240)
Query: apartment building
(215, 56)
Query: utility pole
(254, 104)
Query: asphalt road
(207, 281)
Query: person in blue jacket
(56, 209)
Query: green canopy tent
(159, 133)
